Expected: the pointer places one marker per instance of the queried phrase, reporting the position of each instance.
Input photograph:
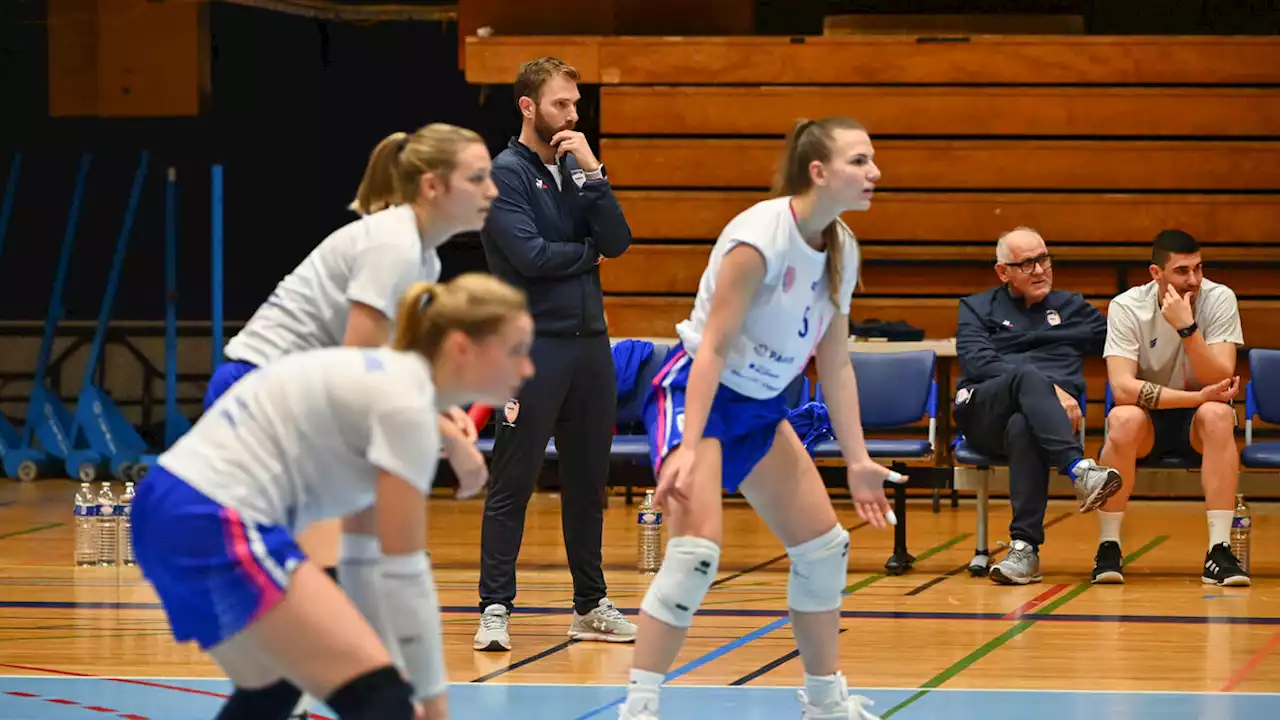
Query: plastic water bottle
(1241, 524)
(86, 526)
(125, 510)
(650, 548)
(108, 527)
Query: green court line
(1022, 626)
(37, 528)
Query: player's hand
(468, 465)
(463, 421)
(1222, 391)
(675, 478)
(1177, 308)
(435, 708)
(574, 142)
(1071, 406)
(866, 485)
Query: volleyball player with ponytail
(341, 432)
(776, 291)
(419, 190)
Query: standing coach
(554, 221)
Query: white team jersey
(789, 312)
(301, 439)
(1136, 329)
(372, 260)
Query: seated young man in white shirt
(1171, 361)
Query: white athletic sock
(1219, 526)
(1109, 526)
(642, 691)
(824, 690)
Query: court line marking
(765, 630)
(1035, 602)
(760, 613)
(38, 528)
(1252, 665)
(1022, 626)
(865, 582)
(557, 648)
(69, 675)
(990, 559)
(690, 686)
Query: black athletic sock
(274, 702)
(378, 695)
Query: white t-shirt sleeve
(761, 230)
(1221, 318)
(381, 274)
(1123, 335)
(404, 440)
(849, 273)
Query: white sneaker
(493, 635)
(851, 708)
(645, 714)
(604, 623)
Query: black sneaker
(1106, 564)
(1222, 568)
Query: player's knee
(1017, 428)
(1030, 374)
(380, 694)
(819, 570)
(1125, 423)
(688, 569)
(1217, 422)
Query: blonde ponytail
(401, 159)
(476, 304)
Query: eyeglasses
(1029, 265)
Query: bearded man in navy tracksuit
(554, 221)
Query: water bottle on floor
(108, 532)
(125, 510)
(1241, 524)
(650, 522)
(86, 526)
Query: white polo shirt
(1137, 330)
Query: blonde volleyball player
(340, 432)
(418, 191)
(776, 291)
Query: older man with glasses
(1021, 348)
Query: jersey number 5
(804, 327)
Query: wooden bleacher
(1098, 142)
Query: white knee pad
(687, 571)
(819, 572)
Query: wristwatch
(1188, 331)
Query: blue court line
(700, 661)
(762, 613)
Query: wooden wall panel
(872, 60)
(963, 164)
(496, 60)
(956, 217)
(953, 111)
(73, 57)
(657, 316)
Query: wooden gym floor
(934, 643)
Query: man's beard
(545, 130)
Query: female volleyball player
(339, 432)
(776, 290)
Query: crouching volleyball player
(337, 432)
(776, 290)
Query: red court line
(1252, 665)
(1034, 602)
(132, 681)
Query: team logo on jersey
(511, 411)
(1053, 317)
(537, 182)
(579, 176)
(788, 278)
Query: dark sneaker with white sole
(1222, 568)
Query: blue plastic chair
(1262, 399)
(965, 455)
(895, 390)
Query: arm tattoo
(1149, 395)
